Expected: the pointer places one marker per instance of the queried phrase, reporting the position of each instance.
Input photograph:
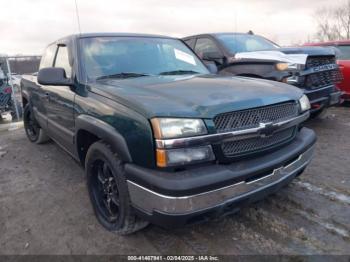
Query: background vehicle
(7, 102)
(343, 60)
(313, 70)
(16, 80)
(160, 138)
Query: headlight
(282, 66)
(183, 156)
(304, 103)
(286, 66)
(165, 128)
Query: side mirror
(53, 76)
(213, 69)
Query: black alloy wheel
(108, 190)
(105, 190)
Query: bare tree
(343, 17)
(333, 23)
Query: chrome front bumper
(335, 98)
(150, 201)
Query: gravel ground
(44, 207)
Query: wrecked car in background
(8, 101)
(343, 60)
(313, 70)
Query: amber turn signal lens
(161, 158)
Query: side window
(62, 60)
(49, 55)
(343, 52)
(190, 42)
(204, 45)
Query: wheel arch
(25, 98)
(90, 129)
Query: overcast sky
(27, 26)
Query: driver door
(61, 103)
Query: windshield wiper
(122, 75)
(179, 72)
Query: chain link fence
(11, 71)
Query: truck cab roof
(109, 34)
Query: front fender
(105, 132)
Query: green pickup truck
(161, 139)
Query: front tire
(320, 114)
(34, 132)
(108, 190)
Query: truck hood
(194, 96)
(293, 55)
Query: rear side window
(62, 60)
(48, 57)
(344, 53)
(204, 45)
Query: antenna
(235, 32)
(236, 20)
(77, 13)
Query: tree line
(24, 65)
(333, 23)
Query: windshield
(344, 52)
(122, 57)
(236, 43)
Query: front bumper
(203, 192)
(323, 97)
(345, 96)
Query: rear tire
(108, 190)
(34, 132)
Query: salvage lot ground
(44, 207)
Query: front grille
(240, 147)
(253, 117)
(314, 61)
(322, 79)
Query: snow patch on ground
(330, 194)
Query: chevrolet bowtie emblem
(267, 129)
